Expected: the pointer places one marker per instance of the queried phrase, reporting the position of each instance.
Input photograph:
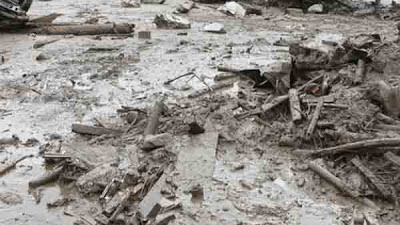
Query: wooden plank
(92, 130)
(315, 118)
(374, 180)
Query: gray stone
(150, 205)
(185, 7)
(317, 8)
(233, 9)
(215, 28)
(164, 219)
(130, 3)
(97, 179)
(168, 21)
(156, 141)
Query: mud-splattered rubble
(242, 109)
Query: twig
(393, 158)
(178, 77)
(13, 164)
(209, 88)
(358, 147)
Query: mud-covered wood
(46, 178)
(359, 76)
(315, 118)
(85, 29)
(92, 130)
(328, 176)
(374, 180)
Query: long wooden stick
(13, 164)
(328, 176)
(46, 178)
(85, 29)
(358, 147)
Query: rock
(164, 219)
(10, 198)
(41, 43)
(294, 12)
(233, 9)
(317, 8)
(41, 57)
(130, 3)
(185, 7)
(215, 28)
(97, 179)
(169, 21)
(301, 182)
(156, 141)
(153, 1)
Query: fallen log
(392, 158)
(328, 176)
(85, 129)
(85, 29)
(46, 178)
(387, 127)
(374, 180)
(315, 118)
(13, 164)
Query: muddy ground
(39, 99)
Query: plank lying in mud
(92, 130)
(370, 176)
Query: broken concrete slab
(317, 8)
(196, 161)
(97, 179)
(233, 9)
(164, 219)
(168, 21)
(217, 28)
(150, 206)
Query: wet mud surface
(41, 98)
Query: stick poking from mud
(13, 164)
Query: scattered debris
(215, 28)
(168, 21)
(85, 129)
(10, 198)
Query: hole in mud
(197, 194)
